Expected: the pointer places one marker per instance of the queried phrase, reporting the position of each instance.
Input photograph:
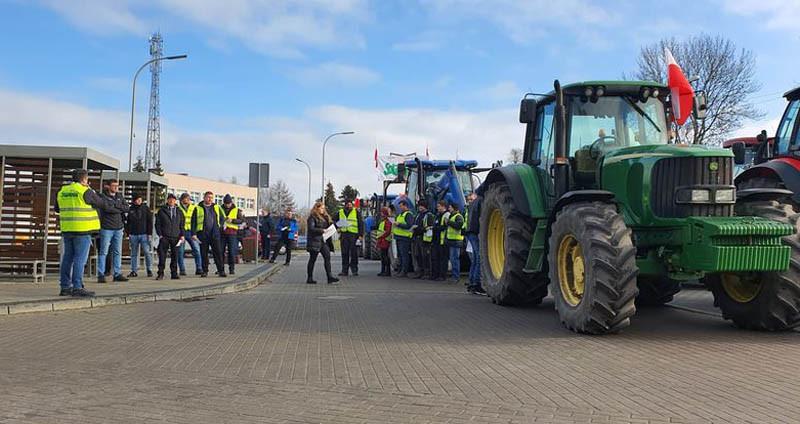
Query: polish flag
(376, 157)
(681, 92)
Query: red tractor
(775, 161)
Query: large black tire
(656, 291)
(508, 284)
(591, 246)
(767, 182)
(374, 252)
(774, 302)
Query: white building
(243, 196)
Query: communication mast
(152, 156)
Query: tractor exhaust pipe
(561, 165)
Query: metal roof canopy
(146, 183)
(60, 153)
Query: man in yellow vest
(77, 204)
(401, 231)
(207, 222)
(187, 207)
(351, 229)
(230, 234)
(454, 238)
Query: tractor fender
(524, 185)
(785, 170)
(580, 196)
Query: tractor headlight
(700, 195)
(724, 196)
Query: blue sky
(267, 80)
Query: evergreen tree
(331, 204)
(139, 165)
(348, 193)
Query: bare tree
(278, 198)
(515, 156)
(726, 75)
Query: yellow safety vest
(201, 212)
(442, 223)
(382, 229)
(401, 232)
(75, 215)
(427, 236)
(233, 214)
(187, 215)
(352, 219)
(452, 233)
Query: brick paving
(378, 350)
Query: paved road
(377, 350)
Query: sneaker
(183, 273)
(101, 279)
(149, 274)
(120, 278)
(133, 274)
(160, 277)
(66, 292)
(222, 274)
(175, 277)
(82, 292)
(332, 280)
(231, 272)
(311, 282)
(203, 274)
(198, 272)
(480, 291)
(284, 264)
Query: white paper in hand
(342, 223)
(329, 232)
(469, 247)
(429, 232)
(180, 242)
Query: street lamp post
(308, 199)
(323, 158)
(133, 101)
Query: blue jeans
(455, 261)
(195, 246)
(230, 244)
(404, 253)
(140, 241)
(474, 261)
(110, 240)
(73, 260)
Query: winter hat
(171, 196)
(227, 199)
(184, 195)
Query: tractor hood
(655, 151)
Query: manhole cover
(335, 297)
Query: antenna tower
(152, 156)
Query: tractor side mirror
(700, 105)
(738, 150)
(527, 111)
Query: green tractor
(609, 214)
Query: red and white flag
(681, 92)
(376, 157)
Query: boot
(332, 279)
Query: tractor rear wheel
(592, 268)
(374, 252)
(767, 182)
(767, 301)
(505, 240)
(656, 291)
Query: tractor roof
(748, 141)
(611, 87)
(442, 164)
(792, 94)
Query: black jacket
(316, 227)
(171, 228)
(140, 220)
(112, 213)
(474, 220)
(266, 225)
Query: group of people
(427, 241)
(85, 214)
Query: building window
(218, 199)
(250, 203)
(239, 202)
(196, 197)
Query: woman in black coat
(318, 221)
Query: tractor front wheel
(592, 268)
(766, 301)
(505, 240)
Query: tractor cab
(787, 139)
(435, 180)
(599, 117)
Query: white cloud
(221, 153)
(778, 14)
(336, 73)
(275, 27)
(523, 21)
(502, 91)
(100, 16)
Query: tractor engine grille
(670, 173)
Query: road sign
(259, 175)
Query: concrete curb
(246, 282)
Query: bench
(33, 268)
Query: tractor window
(786, 129)
(411, 188)
(544, 135)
